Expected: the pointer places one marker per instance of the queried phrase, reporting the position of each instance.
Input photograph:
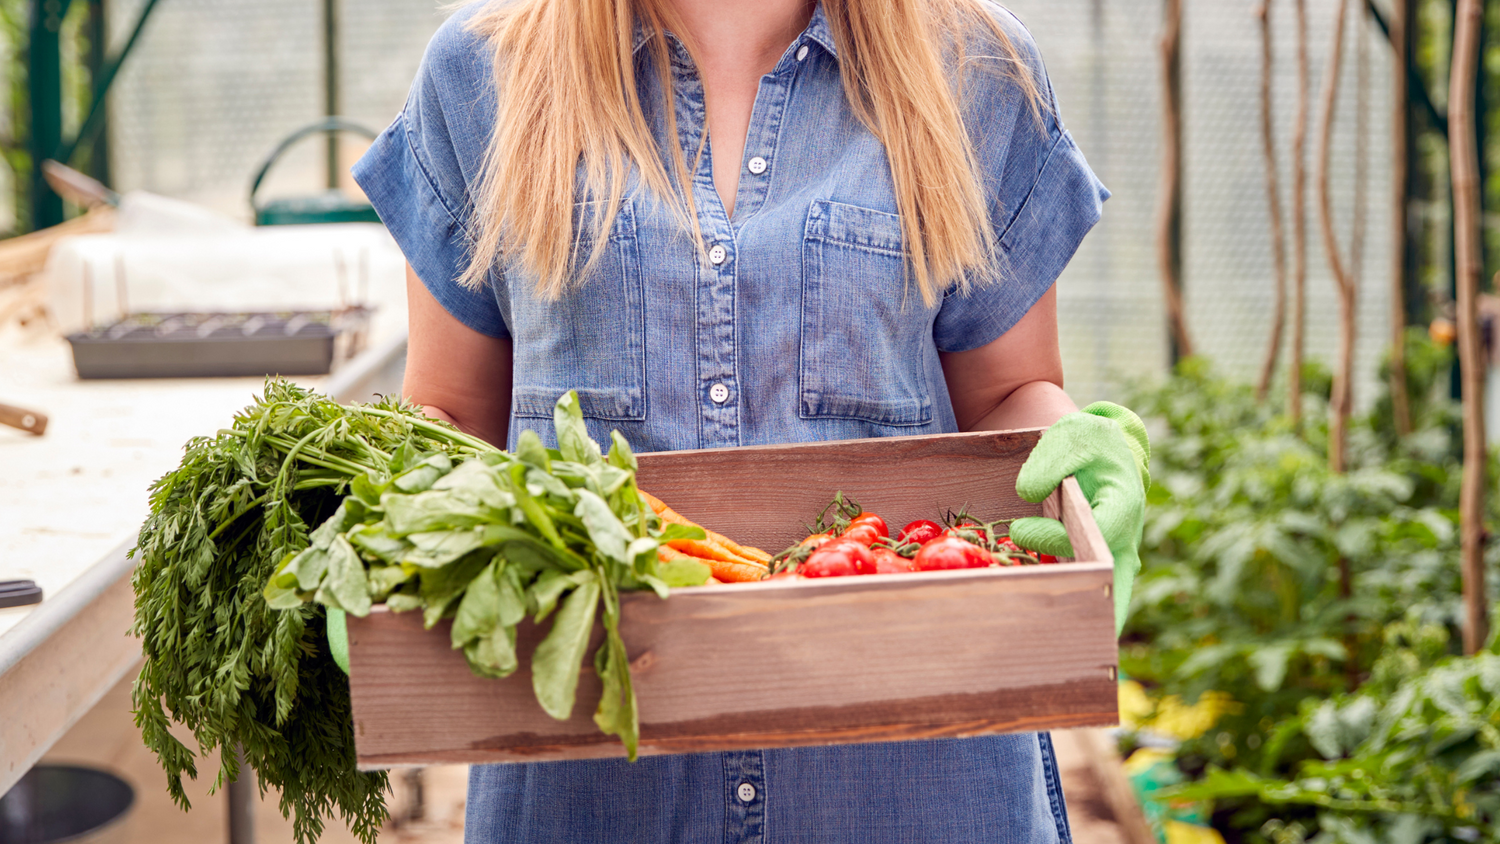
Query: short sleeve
(419, 172)
(1043, 199)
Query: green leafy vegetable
(231, 586)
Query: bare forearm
(1033, 405)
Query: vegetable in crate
(544, 532)
(218, 660)
(857, 542)
(237, 672)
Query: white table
(70, 504)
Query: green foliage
(545, 532)
(1270, 578)
(231, 669)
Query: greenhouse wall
(215, 84)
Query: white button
(757, 165)
(720, 394)
(802, 53)
(717, 254)
(746, 790)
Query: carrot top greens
(232, 581)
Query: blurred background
(1308, 569)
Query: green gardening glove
(338, 638)
(1105, 447)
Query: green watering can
(330, 206)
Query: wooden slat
(789, 663)
(1068, 504)
(772, 664)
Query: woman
(735, 222)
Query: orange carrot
(714, 546)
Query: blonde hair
(571, 97)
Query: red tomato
(816, 540)
(889, 562)
(784, 574)
(839, 559)
(968, 526)
(863, 533)
(950, 552)
(1045, 558)
(872, 520)
(921, 532)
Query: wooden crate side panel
(768, 665)
(765, 495)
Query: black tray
(202, 345)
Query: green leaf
(535, 513)
(572, 434)
(368, 487)
(386, 579)
(617, 714)
(439, 548)
(543, 595)
(620, 455)
(281, 597)
(493, 654)
(683, 572)
(529, 450)
(1270, 664)
(346, 578)
(555, 665)
(374, 541)
(477, 483)
(422, 476)
(427, 511)
(604, 527)
(403, 602)
(671, 532)
(479, 611)
(511, 603)
(306, 571)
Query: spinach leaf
(554, 666)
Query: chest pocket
(863, 332)
(593, 338)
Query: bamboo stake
(1340, 406)
(1299, 223)
(1273, 205)
(1400, 181)
(1469, 264)
(1169, 203)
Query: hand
(1105, 447)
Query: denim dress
(792, 322)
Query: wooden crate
(789, 663)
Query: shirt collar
(817, 30)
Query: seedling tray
(201, 345)
(791, 662)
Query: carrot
(723, 570)
(714, 546)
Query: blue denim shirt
(794, 322)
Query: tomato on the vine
(968, 526)
(921, 532)
(873, 521)
(839, 559)
(816, 540)
(862, 532)
(889, 562)
(950, 552)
